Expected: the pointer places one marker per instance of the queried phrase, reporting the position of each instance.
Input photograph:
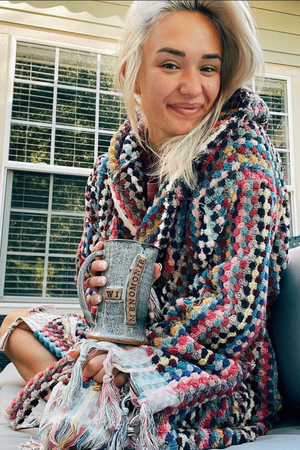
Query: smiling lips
(187, 109)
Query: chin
(186, 131)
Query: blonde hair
(242, 57)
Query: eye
(169, 66)
(208, 69)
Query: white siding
(278, 23)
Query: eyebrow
(173, 51)
(212, 56)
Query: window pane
(112, 112)
(32, 103)
(278, 131)
(59, 116)
(65, 234)
(74, 148)
(285, 158)
(44, 237)
(35, 62)
(76, 108)
(24, 276)
(30, 191)
(108, 69)
(274, 94)
(30, 144)
(60, 279)
(27, 232)
(103, 143)
(68, 193)
(77, 68)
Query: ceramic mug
(122, 315)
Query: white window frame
(7, 303)
(291, 187)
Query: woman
(195, 174)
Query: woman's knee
(10, 318)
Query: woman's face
(179, 78)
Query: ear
(123, 70)
(137, 89)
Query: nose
(191, 83)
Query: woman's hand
(97, 280)
(93, 367)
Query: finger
(94, 300)
(74, 353)
(100, 375)
(156, 272)
(98, 266)
(98, 246)
(95, 282)
(93, 367)
(120, 379)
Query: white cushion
(284, 437)
(11, 382)
(11, 376)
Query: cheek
(213, 90)
(160, 84)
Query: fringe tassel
(69, 435)
(75, 426)
(147, 435)
(30, 445)
(110, 424)
(110, 413)
(43, 436)
(73, 389)
(119, 435)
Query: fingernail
(98, 299)
(103, 265)
(73, 353)
(101, 281)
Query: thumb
(74, 353)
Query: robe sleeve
(208, 343)
(96, 200)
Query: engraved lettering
(132, 289)
(112, 294)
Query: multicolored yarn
(37, 388)
(30, 445)
(80, 416)
(222, 248)
(59, 335)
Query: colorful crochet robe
(222, 247)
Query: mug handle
(81, 289)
